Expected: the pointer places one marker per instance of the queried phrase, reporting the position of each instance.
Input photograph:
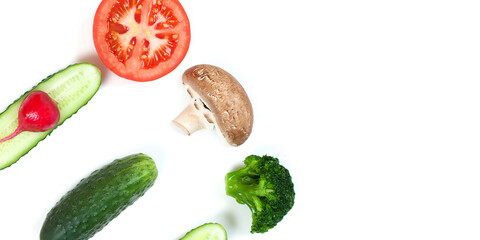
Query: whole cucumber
(99, 198)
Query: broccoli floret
(266, 187)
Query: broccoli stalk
(266, 187)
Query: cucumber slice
(71, 88)
(207, 231)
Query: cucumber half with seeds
(207, 231)
(70, 88)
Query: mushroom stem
(191, 119)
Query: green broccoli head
(266, 187)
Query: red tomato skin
(132, 70)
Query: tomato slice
(141, 40)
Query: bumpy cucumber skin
(99, 198)
(5, 164)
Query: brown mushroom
(218, 101)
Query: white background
(372, 105)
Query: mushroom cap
(225, 97)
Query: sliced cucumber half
(207, 231)
(71, 88)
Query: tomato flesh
(141, 40)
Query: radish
(37, 113)
(69, 89)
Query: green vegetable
(207, 231)
(70, 88)
(266, 187)
(99, 198)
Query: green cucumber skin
(99, 198)
(5, 160)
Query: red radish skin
(38, 113)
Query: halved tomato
(141, 40)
